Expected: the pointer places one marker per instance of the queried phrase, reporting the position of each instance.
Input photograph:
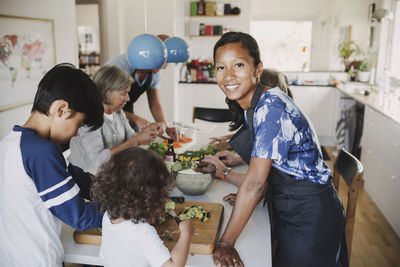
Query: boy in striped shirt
(38, 190)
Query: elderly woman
(89, 149)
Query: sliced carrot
(176, 144)
(185, 139)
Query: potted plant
(363, 73)
(348, 49)
(352, 74)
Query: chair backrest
(351, 170)
(212, 114)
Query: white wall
(62, 12)
(87, 15)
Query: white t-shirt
(131, 244)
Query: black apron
(306, 218)
(134, 94)
(137, 90)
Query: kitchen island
(253, 245)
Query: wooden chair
(212, 114)
(351, 170)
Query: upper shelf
(214, 16)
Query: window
(284, 45)
(395, 53)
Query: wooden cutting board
(203, 240)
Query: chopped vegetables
(185, 139)
(159, 148)
(170, 205)
(190, 158)
(193, 154)
(176, 144)
(194, 212)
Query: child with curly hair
(131, 188)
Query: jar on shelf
(217, 30)
(209, 30)
(193, 8)
(202, 29)
(201, 8)
(219, 9)
(210, 8)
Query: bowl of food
(191, 182)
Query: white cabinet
(380, 157)
(320, 104)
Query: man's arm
(155, 105)
(139, 121)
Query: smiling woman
(281, 148)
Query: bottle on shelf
(182, 74)
(170, 155)
(201, 7)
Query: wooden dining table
(253, 244)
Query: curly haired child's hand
(186, 227)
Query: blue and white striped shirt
(36, 194)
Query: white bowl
(191, 182)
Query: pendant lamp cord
(145, 16)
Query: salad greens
(159, 148)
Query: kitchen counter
(387, 104)
(253, 245)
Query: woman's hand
(219, 165)
(226, 255)
(228, 158)
(173, 133)
(156, 126)
(216, 140)
(231, 198)
(221, 142)
(144, 137)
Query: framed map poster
(27, 52)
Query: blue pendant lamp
(146, 51)
(177, 49)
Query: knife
(179, 199)
(173, 214)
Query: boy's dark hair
(133, 184)
(250, 44)
(65, 82)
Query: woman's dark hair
(65, 82)
(250, 44)
(133, 184)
